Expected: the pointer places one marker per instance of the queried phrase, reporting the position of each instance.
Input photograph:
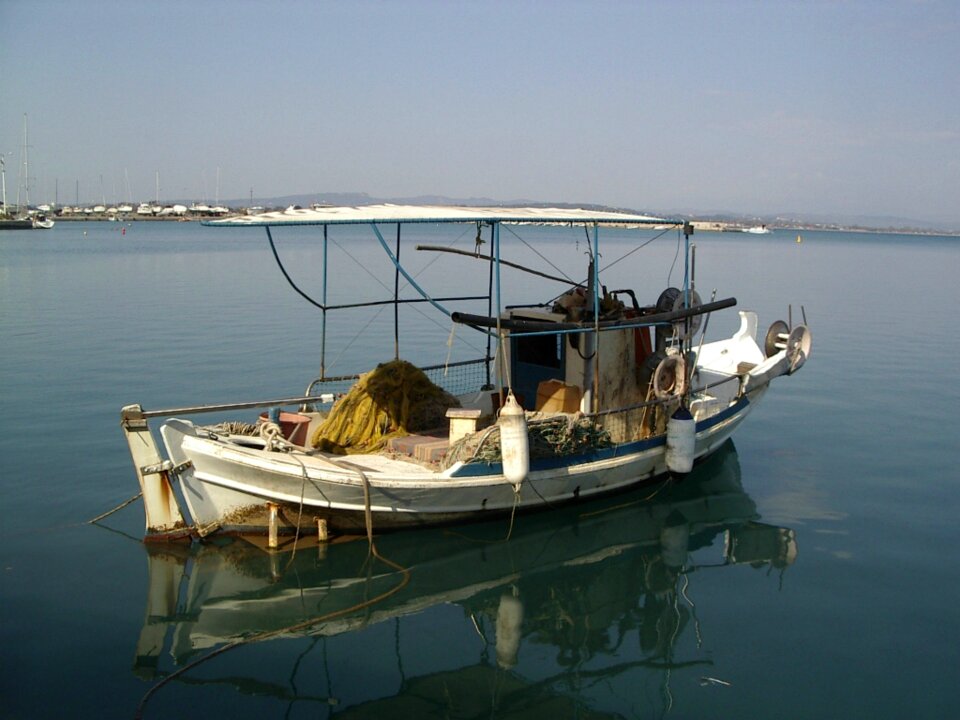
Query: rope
(111, 512)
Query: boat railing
(457, 378)
(622, 422)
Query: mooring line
(108, 513)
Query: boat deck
(381, 464)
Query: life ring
(670, 378)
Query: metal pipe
(402, 301)
(542, 326)
(199, 409)
(466, 253)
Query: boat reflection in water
(594, 590)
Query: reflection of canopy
(474, 692)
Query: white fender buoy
(514, 442)
(509, 627)
(681, 441)
(670, 378)
(799, 344)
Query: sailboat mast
(3, 180)
(26, 164)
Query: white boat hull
(229, 482)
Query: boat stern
(163, 516)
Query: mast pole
(26, 166)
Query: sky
(762, 108)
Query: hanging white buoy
(514, 443)
(681, 441)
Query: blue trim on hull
(481, 469)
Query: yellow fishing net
(395, 399)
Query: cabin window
(542, 350)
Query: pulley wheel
(776, 338)
(688, 327)
(799, 345)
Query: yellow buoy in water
(799, 239)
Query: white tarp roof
(435, 213)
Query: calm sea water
(681, 601)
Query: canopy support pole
(396, 305)
(594, 407)
(489, 303)
(503, 371)
(323, 321)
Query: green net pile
(558, 436)
(395, 399)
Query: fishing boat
(757, 230)
(582, 393)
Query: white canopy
(436, 214)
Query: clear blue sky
(756, 107)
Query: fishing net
(395, 399)
(558, 436)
